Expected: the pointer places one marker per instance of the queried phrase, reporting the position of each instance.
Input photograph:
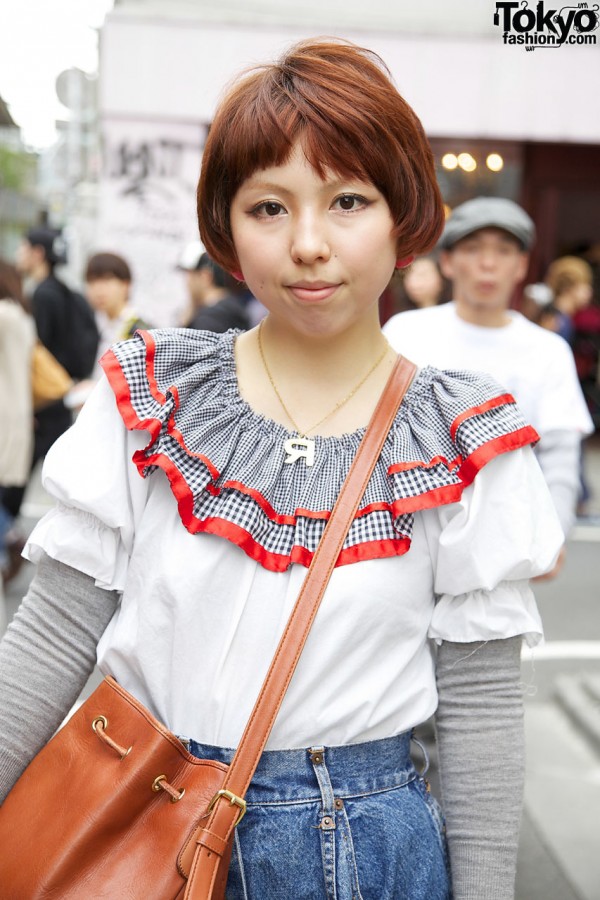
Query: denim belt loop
(423, 750)
(317, 758)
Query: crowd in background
(39, 311)
(565, 302)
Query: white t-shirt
(535, 365)
(210, 549)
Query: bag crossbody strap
(228, 805)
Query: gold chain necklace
(302, 445)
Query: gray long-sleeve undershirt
(49, 651)
(559, 454)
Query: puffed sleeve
(487, 546)
(98, 491)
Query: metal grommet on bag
(99, 726)
(160, 783)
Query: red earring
(403, 263)
(239, 276)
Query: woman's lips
(315, 292)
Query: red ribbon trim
(501, 400)
(467, 469)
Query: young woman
(317, 181)
(17, 337)
(422, 284)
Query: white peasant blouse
(172, 491)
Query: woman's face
(583, 294)
(108, 295)
(317, 253)
(423, 282)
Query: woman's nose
(310, 241)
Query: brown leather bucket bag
(115, 807)
(93, 815)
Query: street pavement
(559, 856)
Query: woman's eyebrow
(334, 184)
(258, 185)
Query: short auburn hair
(339, 101)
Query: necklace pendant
(299, 448)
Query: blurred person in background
(422, 284)
(570, 280)
(17, 337)
(549, 317)
(108, 286)
(216, 298)
(65, 325)
(586, 349)
(485, 247)
(39, 253)
(536, 296)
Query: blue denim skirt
(338, 823)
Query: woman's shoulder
(160, 371)
(11, 311)
(15, 322)
(462, 406)
(451, 424)
(167, 353)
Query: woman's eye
(349, 202)
(269, 209)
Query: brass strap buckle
(234, 801)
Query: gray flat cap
(488, 212)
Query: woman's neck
(312, 358)
(311, 376)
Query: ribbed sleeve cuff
(483, 873)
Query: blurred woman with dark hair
(422, 284)
(17, 337)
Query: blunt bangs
(107, 265)
(338, 101)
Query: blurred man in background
(65, 325)
(108, 286)
(217, 301)
(485, 248)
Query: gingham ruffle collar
(225, 462)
